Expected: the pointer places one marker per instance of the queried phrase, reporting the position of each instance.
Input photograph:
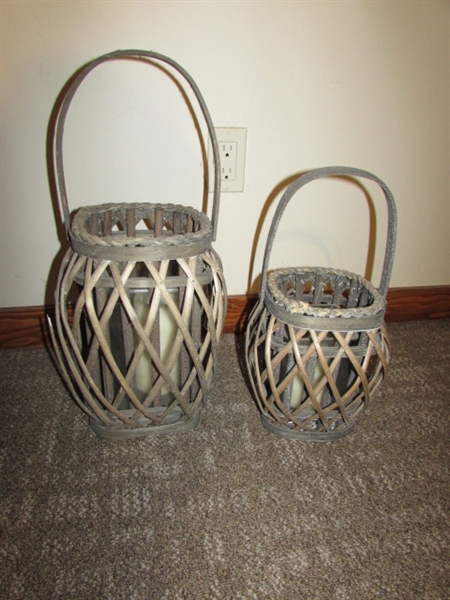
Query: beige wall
(363, 84)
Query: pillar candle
(168, 329)
(141, 304)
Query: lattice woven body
(140, 303)
(112, 335)
(316, 343)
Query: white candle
(141, 304)
(328, 341)
(298, 384)
(318, 374)
(168, 329)
(296, 392)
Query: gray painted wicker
(316, 342)
(139, 353)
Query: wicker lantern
(316, 342)
(137, 348)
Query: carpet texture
(229, 511)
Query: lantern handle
(61, 118)
(336, 172)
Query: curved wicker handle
(331, 172)
(68, 99)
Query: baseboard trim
(26, 327)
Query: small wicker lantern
(138, 351)
(316, 343)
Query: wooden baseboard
(27, 327)
(24, 327)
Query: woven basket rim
(79, 232)
(299, 307)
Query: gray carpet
(229, 511)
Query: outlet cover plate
(232, 148)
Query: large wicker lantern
(316, 342)
(137, 347)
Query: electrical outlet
(228, 155)
(232, 143)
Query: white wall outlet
(232, 146)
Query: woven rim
(79, 230)
(299, 307)
(144, 245)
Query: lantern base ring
(302, 434)
(126, 433)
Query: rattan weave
(138, 352)
(316, 343)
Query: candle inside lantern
(141, 304)
(167, 332)
(298, 384)
(318, 374)
(297, 391)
